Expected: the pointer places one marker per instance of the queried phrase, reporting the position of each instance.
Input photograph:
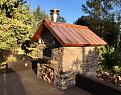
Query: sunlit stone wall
(66, 62)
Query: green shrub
(110, 60)
(11, 59)
(4, 54)
(33, 52)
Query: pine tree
(61, 19)
(16, 23)
(101, 20)
(39, 15)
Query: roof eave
(82, 45)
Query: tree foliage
(39, 15)
(61, 19)
(16, 23)
(110, 59)
(101, 20)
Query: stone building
(65, 50)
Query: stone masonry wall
(90, 64)
(49, 71)
(82, 60)
(66, 62)
(72, 59)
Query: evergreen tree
(39, 15)
(16, 23)
(101, 20)
(61, 19)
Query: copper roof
(70, 34)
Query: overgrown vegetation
(110, 60)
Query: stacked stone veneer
(66, 62)
(81, 59)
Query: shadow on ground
(10, 84)
(22, 80)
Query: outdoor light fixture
(26, 64)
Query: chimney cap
(54, 10)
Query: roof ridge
(67, 24)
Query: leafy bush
(3, 67)
(110, 60)
(4, 54)
(33, 52)
(11, 59)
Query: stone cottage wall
(50, 70)
(66, 62)
(75, 60)
(90, 64)
(72, 59)
(82, 60)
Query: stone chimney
(54, 14)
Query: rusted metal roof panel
(73, 35)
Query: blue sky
(69, 9)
